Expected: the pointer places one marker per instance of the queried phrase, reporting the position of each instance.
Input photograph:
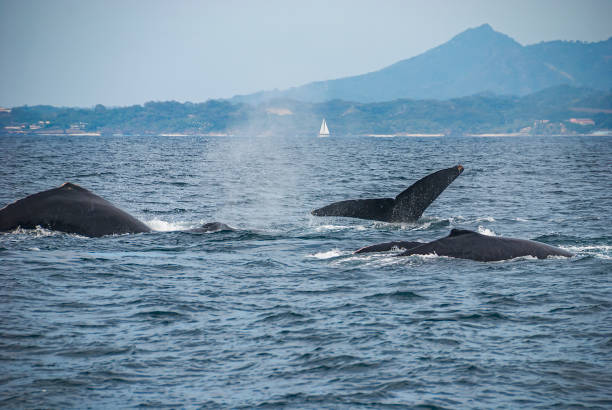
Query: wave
(371, 260)
(334, 253)
(40, 232)
(597, 251)
(486, 231)
(159, 225)
(167, 315)
(460, 219)
(485, 219)
(165, 226)
(393, 259)
(327, 228)
(398, 295)
(426, 223)
(586, 248)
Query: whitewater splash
(334, 253)
(486, 231)
(328, 228)
(597, 251)
(40, 232)
(164, 226)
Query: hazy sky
(81, 53)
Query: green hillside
(548, 111)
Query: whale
(72, 209)
(466, 244)
(210, 227)
(69, 208)
(408, 206)
(387, 246)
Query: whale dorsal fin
(70, 185)
(459, 232)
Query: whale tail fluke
(411, 203)
(406, 207)
(378, 209)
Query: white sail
(324, 131)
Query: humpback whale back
(387, 246)
(69, 208)
(406, 207)
(465, 244)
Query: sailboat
(324, 131)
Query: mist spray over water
(261, 158)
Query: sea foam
(165, 226)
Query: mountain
(475, 61)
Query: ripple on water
(281, 312)
(396, 296)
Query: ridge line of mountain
(477, 60)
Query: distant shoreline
(486, 135)
(553, 111)
(607, 133)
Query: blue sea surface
(280, 312)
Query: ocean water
(280, 312)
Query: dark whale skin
(408, 206)
(387, 246)
(210, 227)
(69, 208)
(73, 209)
(465, 244)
